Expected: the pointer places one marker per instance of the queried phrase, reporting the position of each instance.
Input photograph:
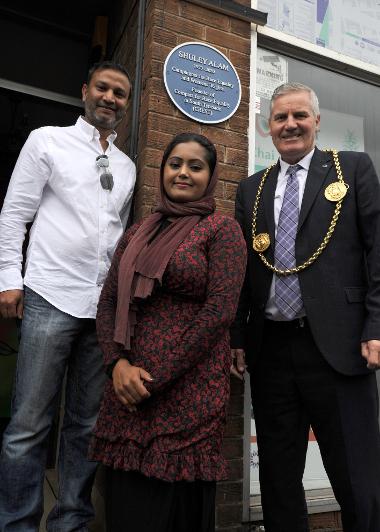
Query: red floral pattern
(182, 339)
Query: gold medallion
(261, 242)
(336, 191)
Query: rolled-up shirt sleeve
(21, 203)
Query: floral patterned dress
(182, 340)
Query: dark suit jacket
(341, 289)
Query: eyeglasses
(106, 178)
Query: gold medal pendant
(336, 191)
(261, 242)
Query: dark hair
(191, 137)
(109, 65)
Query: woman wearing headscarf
(163, 321)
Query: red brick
(230, 191)
(230, 514)
(228, 40)
(192, 29)
(141, 211)
(243, 109)
(228, 492)
(235, 469)
(219, 149)
(161, 35)
(161, 103)
(230, 173)
(148, 194)
(327, 521)
(224, 206)
(245, 93)
(156, 103)
(243, 75)
(236, 404)
(241, 27)
(154, 86)
(169, 6)
(239, 60)
(235, 427)
(157, 139)
(156, 68)
(219, 190)
(225, 137)
(159, 52)
(169, 124)
(150, 157)
(233, 447)
(238, 157)
(206, 16)
(237, 387)
(238, 123)
(150, 176)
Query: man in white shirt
(76, 186)
(308, 319)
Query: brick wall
(229, 497)
(321, 522)
(169, 23)
(326, 522)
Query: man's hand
(238, 363)
(11, 303)
(371, 352)
(128, 383)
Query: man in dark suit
(309, 317)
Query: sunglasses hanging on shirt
(106, 178)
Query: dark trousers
(135, 503)
(293, 387)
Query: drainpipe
(138, 78)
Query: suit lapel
(268, 201)
(320, 166)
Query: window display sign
(350, 27)
(202, 82)
(271, 71)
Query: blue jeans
(51, 342)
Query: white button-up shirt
(271, 310)
(77, 223)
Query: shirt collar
(304, 162)
(91, 132)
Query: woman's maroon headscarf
(145, 259)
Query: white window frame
(40, 93)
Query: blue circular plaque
(202, 82)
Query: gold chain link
(327, 237)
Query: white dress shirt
(77, 223)
(271, 310)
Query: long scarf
(145, 258)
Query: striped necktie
(287, 288)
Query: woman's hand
(128, 383)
